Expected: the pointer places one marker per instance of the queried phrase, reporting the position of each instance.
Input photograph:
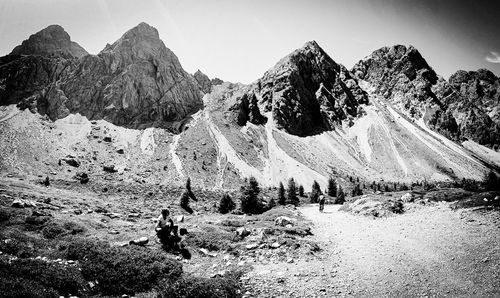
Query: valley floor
(430, 251)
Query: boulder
(82, 177)
(180, 218)
(107, 139)
(120, 151)
(242, 232)
(252, 246)
(109, 169)
(283, 221)
(141, 241)
(18, 203)
(407, 198)
(72, 162)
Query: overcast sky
(239, 40)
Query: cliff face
(308, 93)
(402, 76)
(135, 82)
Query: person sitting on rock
(165, 226)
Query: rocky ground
(430, 251)
(433, 249)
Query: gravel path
(430, 251)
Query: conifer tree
(281, 194)
(292, 197)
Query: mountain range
(132, 106)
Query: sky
(238, 40)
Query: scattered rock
(78, 211)
(242, 232)
(114, 232)
(208, 253)
(120, 151)
(18, 203)
(180, 218)
(289, 260)
(252, 246)
(283, 221)
(275, 245)
(141, 241)
(109, 169)
(72, 162)
(82, 177)
(407, 198)
(107, 139)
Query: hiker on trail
(321, 203)
(165, 227)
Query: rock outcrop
(403, 78)
(135, 82)
(308, 93)
(51, 41)
(206, 84)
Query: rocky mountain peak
(53, 40)
(290, 91)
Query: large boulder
(283, 221)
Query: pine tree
(301, 190)
(332, 187)
(292, 197)
(226, 204)
(184, 202)
(271, 204)
(315, 192)
(281, 194)
(340, 195)
(491, 181)
(250, 197)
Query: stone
(72, 162)
(109, 169)
(275, 245)
(283, 221)
(120, 151)
(82, 177)
(252, 246)
(242, 232)
(78, 211)
(180, 218)
(18, 204)
(140, 241)
(407, 198)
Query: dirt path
(430, 251)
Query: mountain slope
(392, 118)
(402, 76)
(135, 82)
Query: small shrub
(340, 196)
(491, 181)
(120, 270)
(4, 214)
(226, 204)
(396, 207)
(210, 239)
(199, 287)
(15, 247)
(15, 287)
(37, 220)
(63, 279)
(53, 230)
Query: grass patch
(198, 287)
(44, 276)
(120, 270)
(210, 238)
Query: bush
(120, 270)
(53, 230)
(184, 202)
(396, 207)
(51, 276)
(491, 182)
(340, 196)
(226, 204)
(4, 214)
(198, 287)
(210, 239)
(15, 287)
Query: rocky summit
(135, 82)
(402, 76)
